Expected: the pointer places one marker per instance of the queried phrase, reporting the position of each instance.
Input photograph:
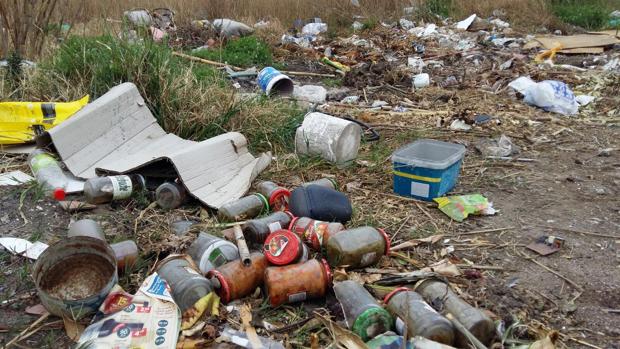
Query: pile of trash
(280, 245)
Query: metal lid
(282, 247)
(391, 294)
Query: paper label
(400, 326)
(121, 187)
(276, 245)
(275, 226)
(368, 258)
(297, 297)
(420, 189)
(217, 258)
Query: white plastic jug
(334, 139)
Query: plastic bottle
(48, 173)
(210, 252)
(86, 227)
(234, 280)
(187, 284)
(126, 253)
(324, 182)
(297, 282)
(358, 247)
(101, 190)
(315, 233)
(245, 208)
(257, 230)
(475, 320)
(363, 315)
(170, 195)
(275, 194)
(420, 319)
(283, 247)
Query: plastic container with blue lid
(426, 168)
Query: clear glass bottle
(419, 318)
(247, 207)
(101, 190)
(474, 320)
(170, 195)
(257, 230)
(363, 315)
(314, 232)
(297, 282)
(275, 194)
(324, 182)
(187, 284)
(126, 253)
(358, 247)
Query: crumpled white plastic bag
(551, 95)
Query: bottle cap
(263, 199)
(224, 289)
(391, 294)
(370, 321)
(282, 247)
(59, 194)
(387, 241)
(279, 199)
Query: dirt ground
(569, 189)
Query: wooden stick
(481, 267)
(583, 343)
(470, 337)
(205, 61)
(483, 231)
(302, 73)
(575, 285)
(18, 337)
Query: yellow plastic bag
(17, 119)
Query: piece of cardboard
(577, 41)
(612, 32)
(581, 50)
(118, 134)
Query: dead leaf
(547, 342)
(195, 329)
(73, 329)
(444, 267)
(38, 309)
(343, 336)
(364, 278)
(189, 343)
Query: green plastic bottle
(364, 316)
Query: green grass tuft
(243, 52)
(588, 14)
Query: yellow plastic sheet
(18, 119)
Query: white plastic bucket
(271, 81)
(334, 139)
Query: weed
(588, 14)
(36, 235)
(370, 23)
(439, 7)
(243, 52)
(332, 82)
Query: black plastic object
(320, 203)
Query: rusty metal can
(297, 282)
(187, 284)
(314, 232)
(74, 276)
